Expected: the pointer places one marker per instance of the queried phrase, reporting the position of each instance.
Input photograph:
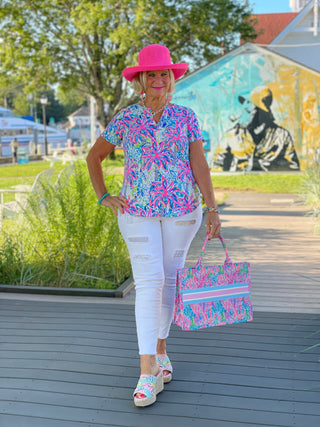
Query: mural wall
(257, 111)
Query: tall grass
(311, 191)
(64, 238)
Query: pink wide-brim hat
(155, 57)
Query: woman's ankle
(154, 371)
(161, 346)
(148, 365)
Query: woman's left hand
(213, 225)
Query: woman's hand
(115, 202)
(97, 154)
(201, 173)
(213, 225)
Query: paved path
(273, 233)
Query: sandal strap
(146, 385)
(164, 362)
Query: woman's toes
(140, 395)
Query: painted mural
(258, 112)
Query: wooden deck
(73, 361)
(71, 365)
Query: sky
(270, 6)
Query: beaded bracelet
(105, 195)
(214, 210)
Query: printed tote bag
(214, 295)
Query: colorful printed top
(158, 179)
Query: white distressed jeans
(158, 247)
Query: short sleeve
(194, 132)
(115, 129)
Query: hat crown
(155, 57)
(154, 54)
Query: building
(300, 39)
(258, 110)
(269, 25)
(294, 35)
(78, 126)
(297, 5)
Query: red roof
(272, 24)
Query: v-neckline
(149, 111)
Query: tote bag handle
(228, 260)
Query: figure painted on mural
(256, 142)
(274, 144)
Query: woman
(159, 204)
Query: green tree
(85, 44)
(54, 108)
(9, 89)
(71, 99)
(16, 95)
(21, 105)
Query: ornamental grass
(64, 238)
(311, 192)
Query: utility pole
(315, 17)
(44, 101)
(92, 120)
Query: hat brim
(178, 70)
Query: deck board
(67, 364)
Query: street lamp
(43, 102)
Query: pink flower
(159, 156)
(164, 193)
(184, 171)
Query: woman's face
(158, 83)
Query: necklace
(153, 112)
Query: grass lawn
(264, 183)
(11, 175)
(25, 173)
(12, 171)
(267, 183)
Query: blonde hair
(139, 82)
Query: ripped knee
(138, 239)
(185, 222)
(179, 253)
(141, 257)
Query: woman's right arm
(101, 150)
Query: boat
(25, 131)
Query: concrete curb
(120, 292)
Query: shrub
(311, 191)
(64, 238)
